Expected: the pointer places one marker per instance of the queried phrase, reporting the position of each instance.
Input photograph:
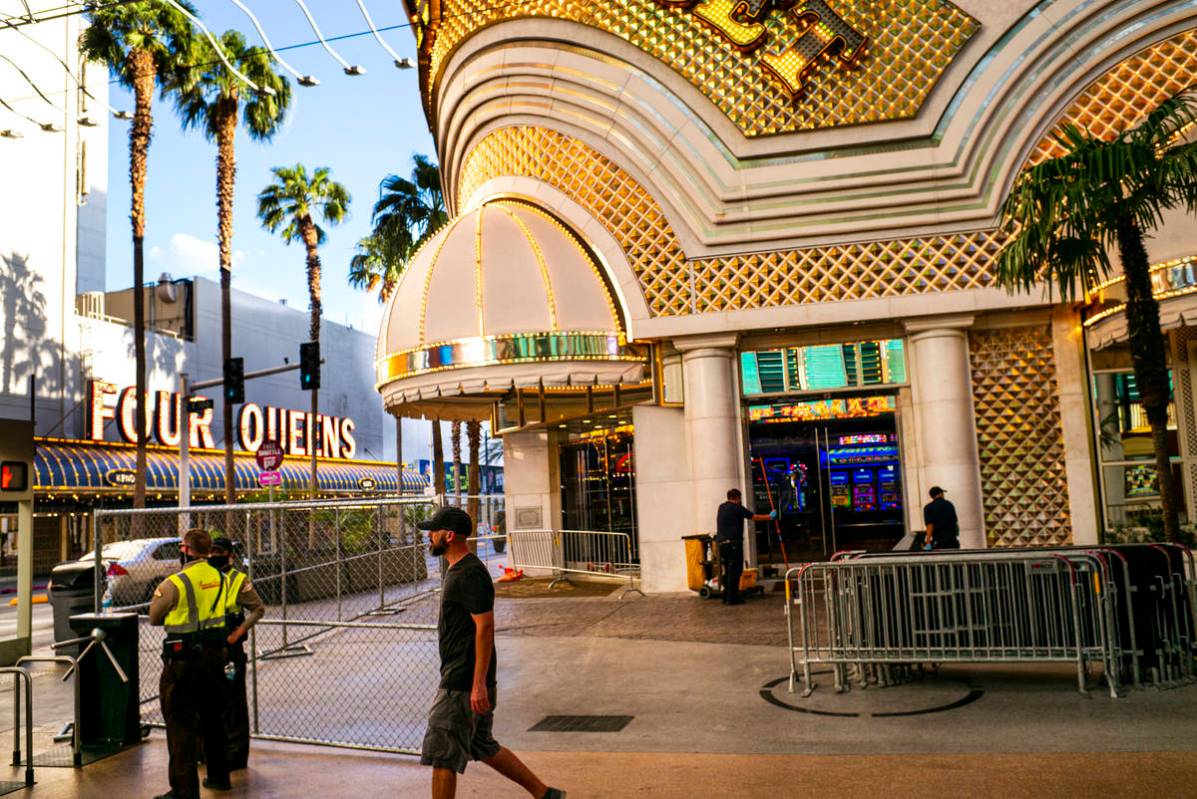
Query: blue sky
(362, 128)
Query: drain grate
(581, 724)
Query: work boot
(217, 786)
(554, 793)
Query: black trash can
(110, 712)
(72, 591)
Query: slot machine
(864, 492)
(891, 493)
(841, 488)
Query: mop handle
(776, 522)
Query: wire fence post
(378, 531)
(95, 536)
(340, 560)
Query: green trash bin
(110, 708)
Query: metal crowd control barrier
(20, 674)
(560, 553)
(1128, 608)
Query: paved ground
(709, 717)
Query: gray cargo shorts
(456, 734)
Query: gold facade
(1020, 438)
(886, 85)
(1129, 91)
(674, 286)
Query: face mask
(218, 561)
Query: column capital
(955, 324)
(707, 341)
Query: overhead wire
(402, 63)
(220, 50)
(303, 80)
(115, 112)
(349, 69)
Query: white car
(133, 569)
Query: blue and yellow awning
(67, 466)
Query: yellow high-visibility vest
(236, 579)
(201, 603)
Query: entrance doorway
(832, 470)
(598, 482)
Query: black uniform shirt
(729, 522)
(942, 514)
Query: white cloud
(187, 255)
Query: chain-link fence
(347, 652)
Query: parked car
(133, 569)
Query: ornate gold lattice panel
(911, 43)
(1019, 437)
(672, 286)
(1128, 92)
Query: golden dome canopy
(503, 296)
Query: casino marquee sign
(825, 36)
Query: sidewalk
(711, 716)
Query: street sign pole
(184, 479)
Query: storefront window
(822, 367)
(1128, 471)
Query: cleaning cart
(702, 568)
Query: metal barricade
(336, 577)
(560, 553)
(20, 675)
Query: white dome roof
(500, 289)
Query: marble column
(712, 423)
(943, 407)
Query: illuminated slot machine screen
(841, 488)
(891, 494)
(864, 492)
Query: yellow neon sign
(826, 35)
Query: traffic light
(309, 365)
(234, 380)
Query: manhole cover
(915, 698)
(581, 724)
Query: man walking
(191, 606)
(461, 721)
(729, 538)
(242, 611)
(943, 529)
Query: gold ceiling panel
(1020, 438)
(910, 44)
(1123, 96)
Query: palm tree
(1066, 214)
(289, 207)
(140, 42)
(455, 440)
(408, 213)
(474, 484)
(210, 97)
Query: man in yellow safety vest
(242, 611)
(191, 605)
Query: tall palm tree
(1066, 214)
(289, 206)
(141, 43)
(455, 432)
(409, 211)
(210, 97)
(474, 483)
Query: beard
(438, 549)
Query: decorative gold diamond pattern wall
(912, 42)
(674, 286)
(1129, 91)
(1019, 437)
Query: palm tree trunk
(1148, 349)
(456, 441)
(474, 485)
(438, 458)
(141, 67)
(308, 230)
(226, 175)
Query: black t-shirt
(942, 514)
(467, 589)
(729, 522)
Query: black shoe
(736, 602)
(239, 766)
(554, 793)
(217, 786)
(167, 795)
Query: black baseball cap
(221, 542)
(936, 491)
(454, 520)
